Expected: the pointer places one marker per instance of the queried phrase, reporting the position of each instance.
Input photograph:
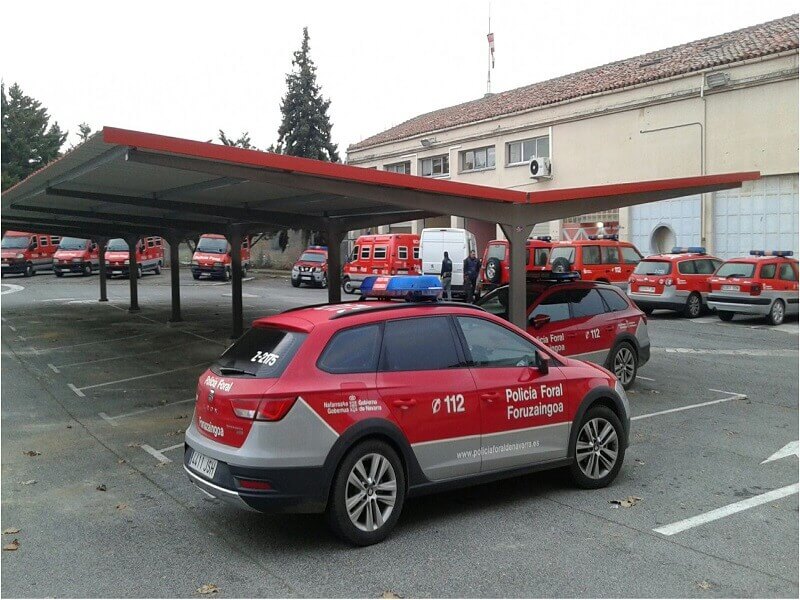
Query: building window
(477, 159)
(401, 167)
(436, 166)
(522, 151)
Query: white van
(458, 243)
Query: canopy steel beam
(351, 223)
(202, 186)
(42, 225)
(226, 212)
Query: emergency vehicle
(27, 253)
(583, 319)
(598, 258)
(390, 254)
(212, 257)
(311, 267)
(76, 255)
(495, 269)
(333, 408)
(149, 256)
(678, 281)
(764, 283)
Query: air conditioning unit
(540, 168)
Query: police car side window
(787, 273)
(610, 254)
(614, 300)
(352, 350)
(768, 271)
(586, 303)
(555, 306)
(591, 255)
(491, 345)
(422, 344)
(687, 267)
(630, 256)
(705, 266)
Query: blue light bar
(410, 287)
(689, 250)
(550, 276)
(771, 253)
(317, 248)
(543, 238)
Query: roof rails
(771, 253)
(688, 250)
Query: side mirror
(540, 320)
(541, 363)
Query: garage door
(657, 226)
(762, 215)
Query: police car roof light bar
(412, 288)
(317, 248)
(771, 253)
(605, 236)
(689, 250)
(542, 238)
(551, 276)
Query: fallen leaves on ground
(704, 585)
(638, 461)
(29, 482)
(133, 445)
(121, 461)
(626, 503)
(101, 487)
(389, 594)
(654, 392)
(730, 432)
(121, 506)
(181, 416)
(32, 453)
(176, 432)
(207, 588)
(13, 546)
(10, 530)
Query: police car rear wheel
(776, 313)
(368, 494)
(623, 364)
(725, 315)
(694, 306)
(597, 450)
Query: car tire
(244, 271)
(87, 270)
(777, 313)
(227, 275)
(494, 270)
(28, 272)
(59, 274)
(725, 315)
(383, 495)
(623, 363)
(295, 282)
(348, 286)
(694, 306)
(561, 265)
(648, 311)
(597, 452)
(157, 270)
(196, 276)
(139, 272)
(324, 283)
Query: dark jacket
(447, 268)
(472, 267)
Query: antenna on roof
(490, 66)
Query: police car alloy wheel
(776, 313)
(368, 493)
(694, 306)
(597, 449)
(623, 364)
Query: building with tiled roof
(725, 103)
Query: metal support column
(235, 239)
(517, 307)
(174, 241)
(334, 265)
(101, 259)
(133, 272)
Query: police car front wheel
(623, 364)
(598, 449)
(776, 313)
(368, 494)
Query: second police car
(351, 408)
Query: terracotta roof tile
(752, 42)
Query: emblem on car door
(211, 396)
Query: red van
(389, 254)
(212, 257)
(149, 256)
(27, 253)
(599, 258)
(495, 270)
(76, 255)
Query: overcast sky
(190, 68)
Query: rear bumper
(644, 354)
(669, 299)
(740, 304)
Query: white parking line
(97, 385)
(98, 360)
(128, 337)
(727, 352)
(153, 452)
(728, 510)
(12, 328)
(11, 288)
(175, 447)
(645, 378)
(77, 391)
(691, 406)
(112, 419)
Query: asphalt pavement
(95, 400)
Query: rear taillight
(253, 484)
(755, 289)
(268, 409)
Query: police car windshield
(653, 267)
(15, 242)
(313, 257)
(732, 269)
(262, 352)
(69, 243)
(212, 245)
(117, 245)
(567, 252)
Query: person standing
(447, 276)
(472, 266)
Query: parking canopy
(122, 183)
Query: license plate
(647, 288)
(730, 288)
(203, 464)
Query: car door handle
(405, 404)
(490, 396)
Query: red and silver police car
(582, 319)
(495, 269)
(334, 408)
(678, 281)
(764, 283)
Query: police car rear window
(653, 267)
(262, 352)
(733, 269)
(353, 350)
